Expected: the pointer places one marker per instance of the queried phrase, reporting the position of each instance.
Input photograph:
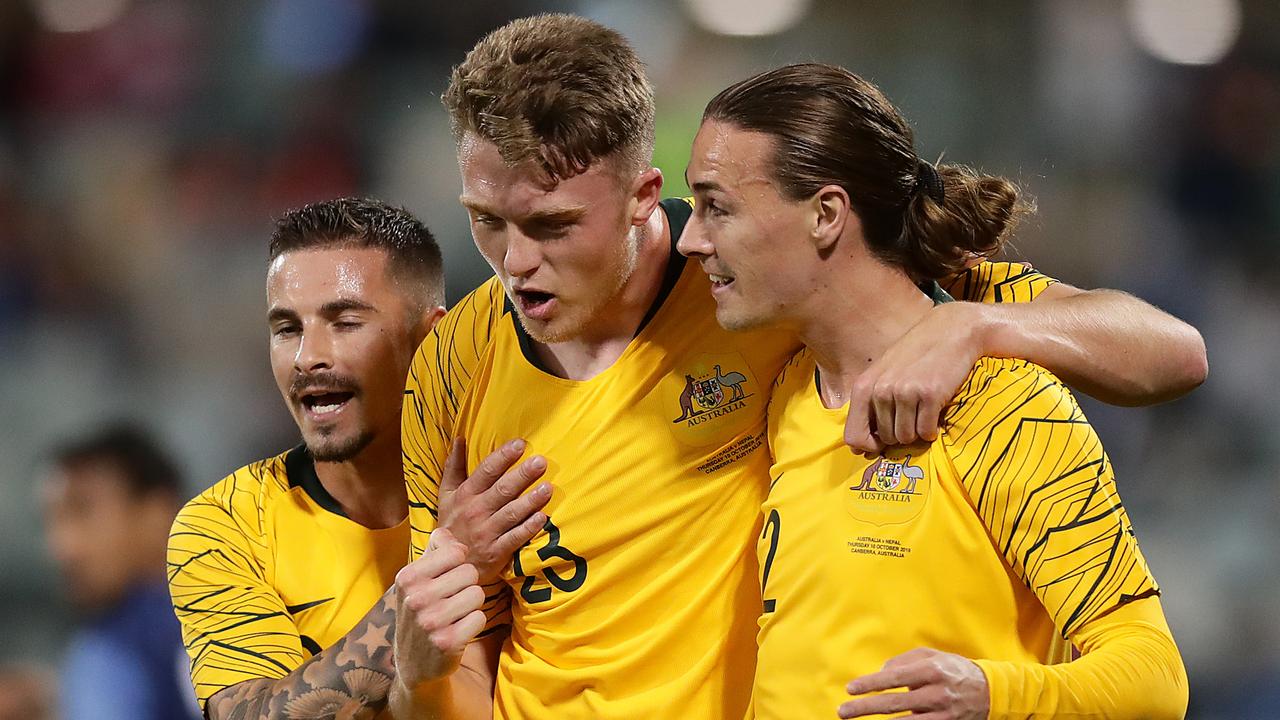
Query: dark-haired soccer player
(273, 570)
(598, 344)
(950, 570)
(109, 499)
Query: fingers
(883, 407)
(492, 468)
(905, 407)
(895, 702)
(512, 484)
(518, 536)
(455, 466)
(859, 428)
(928, 418)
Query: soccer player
(273, 570)
(598, 345)
(950, 570)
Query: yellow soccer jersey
(265, 571)
(639, 597)
(995, 541)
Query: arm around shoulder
(1106, 343)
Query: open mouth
(535, 303)
(719, 282)
(321, 405)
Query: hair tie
(929, 180)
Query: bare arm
(467, 693)
(1105, 343)
(351, 678)
(444, 671)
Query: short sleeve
(1043, 486)
(439, 376)
(998, 282)
(234, 624)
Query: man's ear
(832, 214)
(425, 321)
(646, 191)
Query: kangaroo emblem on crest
(686, 400)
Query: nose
(315, 351)
(522, 256)
(693, 241)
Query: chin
(737, 321)
(553, 331)
(330, 448)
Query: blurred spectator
(109, 500)
(26, 693)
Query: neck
(605, 339)
(849, 325)
(369, 487)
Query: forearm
(1130, 669)
(465, 694)
(1105, 343)
(327, 685)
(461, 696)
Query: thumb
(439, 538)
(455, 466)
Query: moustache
(321, 382)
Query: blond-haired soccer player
(598, 345)
(273, 570)
(954, 569)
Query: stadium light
(747, 17)
(79, 15)
(1186, 32)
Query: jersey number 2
(553, 549)
(775, 522)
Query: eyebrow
(552, 215)
(333, 307)
(341, 305)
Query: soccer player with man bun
(957, 573)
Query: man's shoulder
(237, 501)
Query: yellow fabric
(998, 282)
(1129, 669)
(262, 576)
(990, 542)
(640, 599)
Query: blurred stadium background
(146, 144)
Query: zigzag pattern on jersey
(1040, 480)
(207, 616)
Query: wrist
(977, 325)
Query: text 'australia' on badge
(888, 491)
(715, 398)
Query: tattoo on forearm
(348, 681)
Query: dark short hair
(558, 90)
(142, 464)
(364, 222)
(831, 127)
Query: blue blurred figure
(109, 500)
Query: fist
(438, 612)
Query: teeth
(720, 279)
(323, 409)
